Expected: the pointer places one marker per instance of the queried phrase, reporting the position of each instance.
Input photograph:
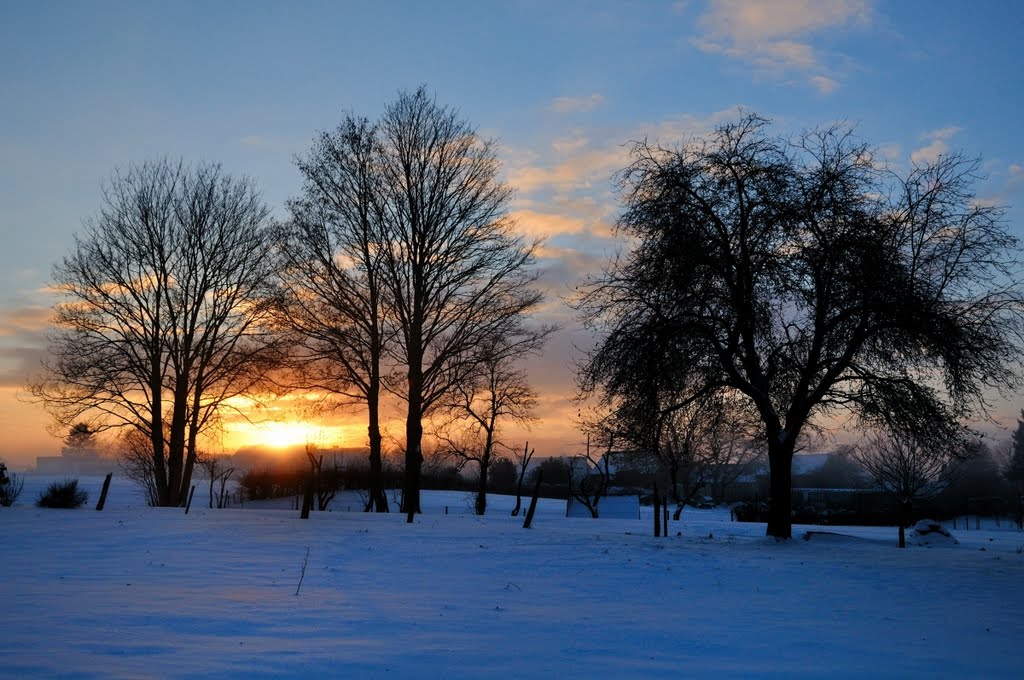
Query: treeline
(767, 285)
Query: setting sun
(282, 435)
(287, 434)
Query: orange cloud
(771, 33)
(30, 319)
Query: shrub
(64, 494)
(10, 487)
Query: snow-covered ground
(137, 592)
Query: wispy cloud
(576, 104)
(823, 84)
(265, 143)
(775, 35)
(31, 319)
(1015, 173)
(937, 144)
(22, 343)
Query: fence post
(657, 511)
(533, 501)
(188, 504)
(664, 516)
(103, 493)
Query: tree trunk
(485, 464)
(481, 491)
(176, 446)
(378, 501)
(904, 520)
(780, 509)
(413, 440)
(190, 449)
(156, 438)
(413, 463)
(673, 471)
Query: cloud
(576, 104)
(31, 318)
(1015, 172)
(824, 85)
(545, 225)
(22, 343)
(773, 35)
(576, 162)
(937, 145)
(271, 144)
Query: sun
(283, 434)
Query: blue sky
(89, 86)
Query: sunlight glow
(279, 434)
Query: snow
(151, 592)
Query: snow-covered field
(137, 592)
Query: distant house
(80, 461)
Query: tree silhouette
(333, 297)
(810, 281)
(165, 312)
(454, 268)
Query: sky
(88, 87)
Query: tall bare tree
(454, 267)
(802, 276)
(333, 298)
(164, 312)
(495, 392)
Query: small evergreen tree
(81, 439)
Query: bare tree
(595, 479)
(802, 276)
(135, 458)
(324, 477)
(523, 463)
(165, 312)
(216, 471)
(494, 391)
(907, 470)
(333, 299)
(454, 268)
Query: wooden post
(657, 512)
(533, 501)
(103, 493)
(189, 503)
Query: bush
(10, 487)
(64, 494)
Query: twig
(303, 574)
